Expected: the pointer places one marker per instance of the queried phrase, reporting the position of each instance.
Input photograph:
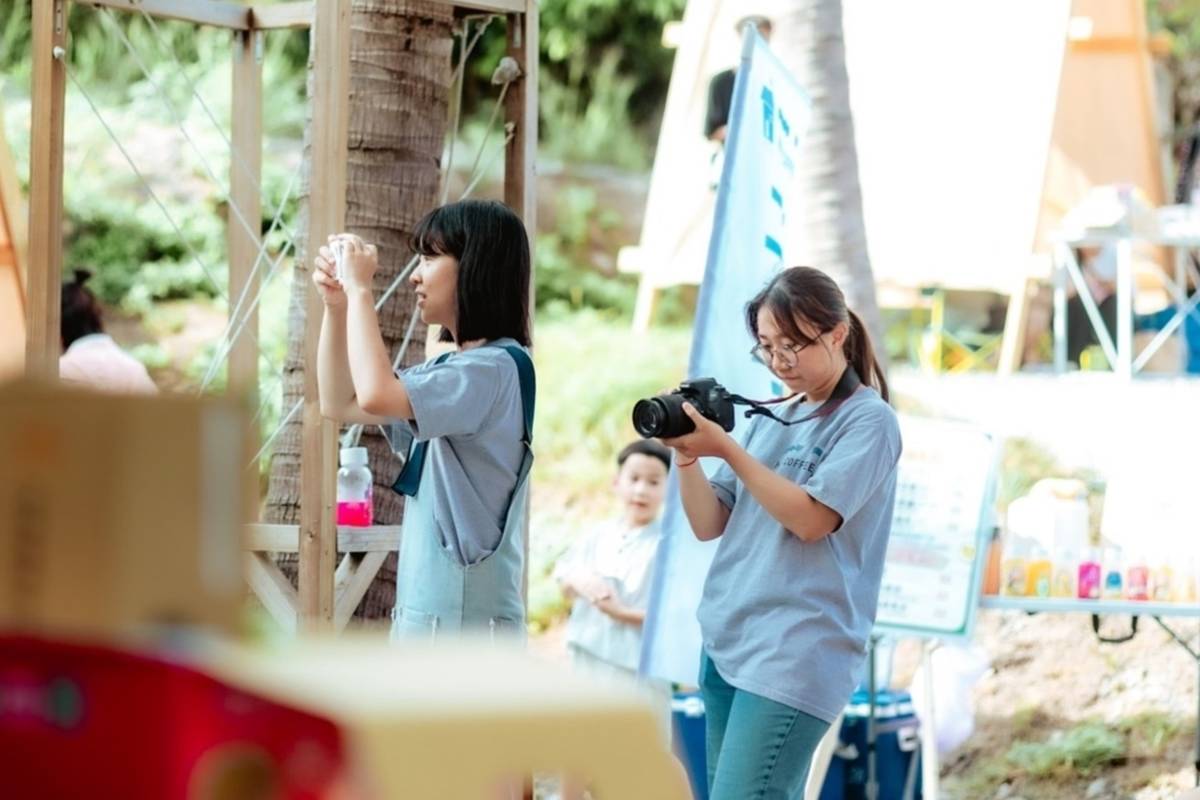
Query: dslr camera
(663, 416)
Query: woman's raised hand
(324, 276)
(359, 262)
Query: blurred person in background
(91, 359)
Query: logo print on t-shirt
(795, 458)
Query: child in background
(606, 573)
(90, 358)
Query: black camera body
(663, 416)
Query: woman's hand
(709, 438)
(359, 262)
(325, 277)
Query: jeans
(756, 748)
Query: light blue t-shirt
(786, 619)
(469, 410)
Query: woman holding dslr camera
(803, 510)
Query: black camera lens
(661, 417)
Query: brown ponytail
(861, 356)
(809, 294)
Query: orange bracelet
(688, 464)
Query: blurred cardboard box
(120, 513)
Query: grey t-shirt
(786, 619)
(469, 410)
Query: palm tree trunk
(399, 90)
(808, 39)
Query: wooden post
(1016, 324)
(245, 181)
(520, 110)
(43, 340)
(326, 215)
(520, 159)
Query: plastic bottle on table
(1114, 576)
(1014, 569)
(1041, 572)
(1090, 576)
(355, 488)
(1137, 578)
(1065, 566)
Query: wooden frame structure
(329, 589)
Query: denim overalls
(436, 595)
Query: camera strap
(846, 386)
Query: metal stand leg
(872, 779)
(930, 764)
(1059, 320)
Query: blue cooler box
(897, 745)
(687, 724)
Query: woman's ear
(839, 334)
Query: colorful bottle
(1041, 572)
(1063, 582)
(1185, 589)
(1162, 579)
(1114, 582)
(1015, 573)
(355, 488)
(1137, 579)
(993, 569)
(1088, 585)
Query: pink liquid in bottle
(358, 514)
(1089, 580)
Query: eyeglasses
(765, 354)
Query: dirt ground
(1049, 673)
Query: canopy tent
(12, 263)
(978, 126)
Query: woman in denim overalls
(469, 412)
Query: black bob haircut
(645, 447)
(492, 249)
(79, 308)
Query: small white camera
(339, 260)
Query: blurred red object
(93, 721)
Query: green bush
(1082, 750)
(595, 128)
(598, 368)
(565, 277)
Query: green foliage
(1023, 462)
(153, 356)
(546, 601)
(16, 30)
(1082, 750)
(564, 274)
(594, 127)
(1151, 731)
(603, 77)
(99, 58)
(135, 254)
(1025, 720)
(1180, 19)
(576, 34)
(597, 369)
